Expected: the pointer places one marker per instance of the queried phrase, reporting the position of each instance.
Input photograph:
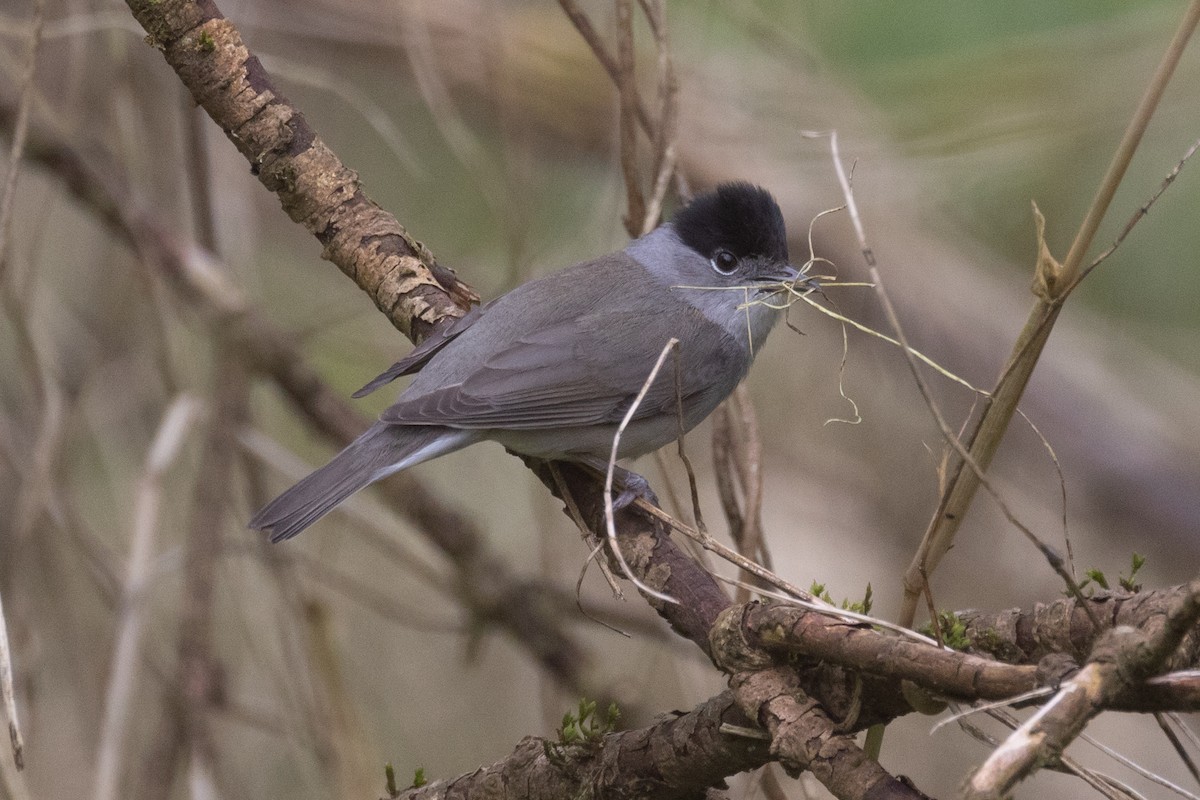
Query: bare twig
(20, 132)
(589, 536)
(1164, 724)
(51, 418)
(1142, 210)
(851, 205)
(1071, 266)
(737, 464)
(663, 165)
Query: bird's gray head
(723, 250)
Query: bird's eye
(724, 262)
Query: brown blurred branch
(588, 31)
(625, 79)
(737, 466)
(123, 675)
(36, 480)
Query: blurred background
(490, 131)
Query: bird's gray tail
(380, 451)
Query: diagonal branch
(644, 762)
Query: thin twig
(20, 132)
(663, 164)
(851, 205)
(682, 452)
(1142, 211)
(1178, 746)
(50, 418)
(588, 31)
(588, 535)
(1135, 767)
(1125, 150)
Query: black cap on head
(739, 217)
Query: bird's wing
(582, 371)
(420, 355)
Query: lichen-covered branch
(679, 756)
(1061, 627)
(803, 737)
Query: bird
(551, 368)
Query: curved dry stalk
(1142, 211)
(610, 524)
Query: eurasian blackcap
(550, 369)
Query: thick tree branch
(803, 737)
(764, 633)
(1060, 627)
(789, 629)
(679, 756)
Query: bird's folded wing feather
(582, 371)
(420, 355)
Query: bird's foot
(629, 485)
(633, 486)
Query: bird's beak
(803, 283)
(786, 273)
